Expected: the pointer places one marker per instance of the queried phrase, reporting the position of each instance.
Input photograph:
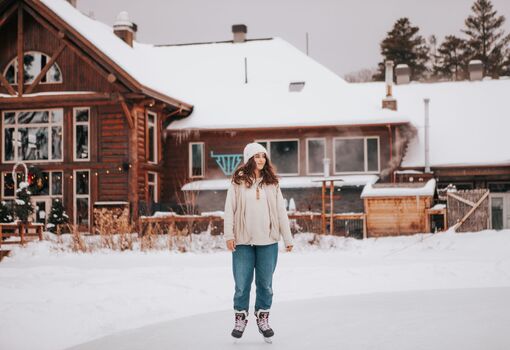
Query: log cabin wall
(176, 160)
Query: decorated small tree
(6, 214)
(57, 216)
(23, 206)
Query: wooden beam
(46, 68)
(54, 100)
(127, 113)
(20, 50)
(5, 17)
(6, 84)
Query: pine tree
(403, 44)
(23, 206)
(486, 38)
(451, 58)
(57, 216)
(6, 214)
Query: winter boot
(263, 323)
(241, 321)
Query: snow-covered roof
(469, 120)
(212, 78)
(399, 190)
(285, 182)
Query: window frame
(16, 126)
(155, 141)
(78, 196)
(14, 63)
(190, 159)
(365, 154)
(268, 148)
(155, 184)
(307, 154)
(75, 125)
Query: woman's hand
(289, 248)
(231, 245)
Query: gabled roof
(126, 60)
(469, 120)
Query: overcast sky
(344, 35)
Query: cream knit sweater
(240, 211)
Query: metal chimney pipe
(427, 137)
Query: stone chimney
(239, 31)
(403, 73)
(124, 28)
(389, 101)
(475, 68)
(73, 3)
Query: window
(315, 153)
(32, 136)
(284, 155)
(33, 64)
(81, 197)
(356, 155)
(196, 159)
(152, 137)
(81, 133)
(152, 186)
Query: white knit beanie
(252, 149)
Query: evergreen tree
(403, 44)
(6, 214)
(57, 216)
(486, 38)
(451, 58)
(23, 206)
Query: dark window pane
(57, 116)
(284, 155)
(8, 185)
(82, 182)
(196, 160)
(33, 117)
(9, 118)
(499, 187)
(152, 155)
(56, 142)
(497, 213)
(82, 142)
(82, 115)
(263, 143)
(315, 156)
(32, 67)
(82, 211)
(372, 155)
(9, 144)
(34, 143)
(151, 177)
(56, 183)
(349, 155)
(41, 186)
(10, 74)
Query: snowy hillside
(442, 291)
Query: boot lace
(240, 322)
(263, 321)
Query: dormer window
(33, 63)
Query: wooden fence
(468, 210)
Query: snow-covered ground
(437, 291)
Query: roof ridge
(208, 42)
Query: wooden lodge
(88, 131)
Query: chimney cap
(239, 28)
(123, 19)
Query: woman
(255, 218)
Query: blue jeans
(245, 260)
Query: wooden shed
(398, 209)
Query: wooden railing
(21, 230)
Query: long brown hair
(245, 173)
